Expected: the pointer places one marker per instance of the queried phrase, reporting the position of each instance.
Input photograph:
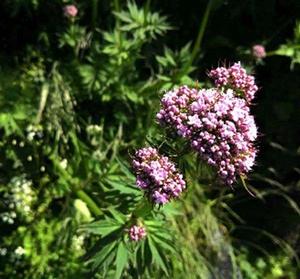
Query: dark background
(232, 26)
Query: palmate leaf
(141, 22)
(161, 236)
(104, 251)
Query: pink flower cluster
(136, 233)
(157, 175)
(259, 52)
(217, 124)
(236, 78)
(70, 11)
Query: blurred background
(80, 83)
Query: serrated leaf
(121, 259)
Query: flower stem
(117, 9)
(76, 190)
(197, 45)
(94, 13)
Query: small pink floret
(258, 51)
(136, 233)
(70, 11)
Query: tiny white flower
(42, 168)
(22, 144)
(26, 209)
(64, 163)
(14, 142)
(20, 251)
(30, 136)
(29, 128)
(3, 251)
(29, 158)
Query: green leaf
(143, 209)
(169, 57)
(121, 218)
(102, 227)
(123, 187)
(164, 243)
(101, 256)
(121, 260)
(285, 50)
(156, 255)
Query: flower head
(258, 51)
(137, 233)
(236, 78)
(217, 124)
(70, 11)
(157, 175)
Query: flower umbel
(157, 175)
(236, 78)
(137, 233)
(217, 124)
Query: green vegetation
(78, 96)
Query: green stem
(117, 5)
(197, 45)
(147, 6)
(90, 203)
(74, 188)
(117, 9)
(94, 13)
(143, 208)
(271, 53)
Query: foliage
(76, 100)
(292, 48)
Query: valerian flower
(258, 52)
(70, 11)
(157, 176)
(235, 78)
(136, 233)
(218, 126)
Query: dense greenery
(79, 95)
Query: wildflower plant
(92, 183)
